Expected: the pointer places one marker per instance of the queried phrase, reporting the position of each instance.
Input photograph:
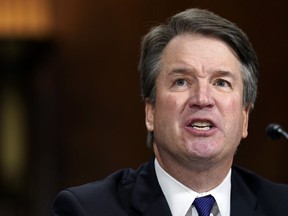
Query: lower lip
(201, 133)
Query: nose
(201, 96)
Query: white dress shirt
(180, 197)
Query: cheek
(164, 107)
(231, 104)
(228, 107)
(167, 109)
(166, 102)
(232, 111)
(239, 119)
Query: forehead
(198, 42)
(201, 52)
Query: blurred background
(70, 105)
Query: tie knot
(204, 205)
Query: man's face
(198, 114)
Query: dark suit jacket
(130, 192)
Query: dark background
(80, 91)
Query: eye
(222, 83)
(180, 82)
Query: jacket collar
(147, 196)
(148, 199)
(243, 201)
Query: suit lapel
(243, 201)
(147, 196)
(158, 207)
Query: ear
(149, 115)
(246, 111)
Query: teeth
(201, 125)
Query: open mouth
(201, 125)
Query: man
(199, 83)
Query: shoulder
(253, 178)
(115, 184)
(260, 187)
(250, 191)
(106, 186)
(109, 195)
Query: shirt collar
(180, 197)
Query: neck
(200, 176)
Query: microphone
(275, 131)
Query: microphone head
(274, 131)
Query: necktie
(204, 205)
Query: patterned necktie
(204, 205)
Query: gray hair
(201, 22)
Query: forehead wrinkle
(224, 73)
(194, 72)
(181, 71)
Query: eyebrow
(224, 73)
(187, 71)
(181, 70)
